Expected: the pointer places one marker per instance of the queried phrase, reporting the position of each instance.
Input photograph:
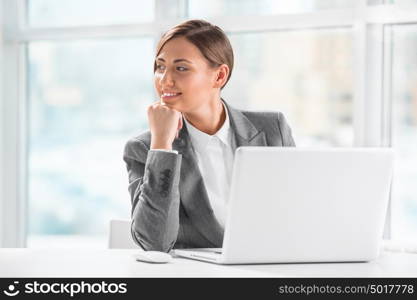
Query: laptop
(295, 205)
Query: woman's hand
(164, 123)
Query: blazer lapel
(193, 192)
(245, 132)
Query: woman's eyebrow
(176, 60)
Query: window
(52, 13)
(86, 99)
(307, 74)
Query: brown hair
(209, 39)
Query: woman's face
(182, 70)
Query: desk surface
(23, 262)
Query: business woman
(180, 169)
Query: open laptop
(291, 205)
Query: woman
(180, 169)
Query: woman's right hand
(164, 123)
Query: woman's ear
(222, 73)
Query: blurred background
(78, 78)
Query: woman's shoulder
(263, 118)
(273, 124)
(261, 114)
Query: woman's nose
(167, 79)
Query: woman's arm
(154, 190)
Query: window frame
(372, 83)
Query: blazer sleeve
(285, 130)
(154, 192)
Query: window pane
(52, 13)
(201, 9)
(404, 97)
(86, 99)
(305, 74)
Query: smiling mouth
(169, 96)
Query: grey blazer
(170, 206)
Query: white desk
(121, 263)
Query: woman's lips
(165, 97)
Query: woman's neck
(208, 118)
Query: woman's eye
(159, 67)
